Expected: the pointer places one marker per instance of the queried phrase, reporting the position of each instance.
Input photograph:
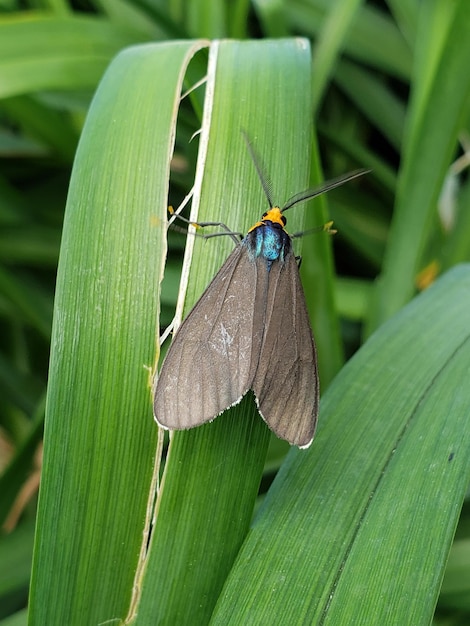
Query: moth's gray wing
(207, 368)
(285, 382)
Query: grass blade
(100, 437)
(377, 497)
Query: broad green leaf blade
(357, 530)
(435, 121)
(39, 52)
(100, 436)
(213, 472)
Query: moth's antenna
(317, 191)
(264, 178)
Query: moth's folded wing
(208, 364)
(286, 380)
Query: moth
(249, 330)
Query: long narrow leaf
(213, 472)
(358, 529)
(100, 437)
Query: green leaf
(213, 472)
(100, 437)
(357, 529)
